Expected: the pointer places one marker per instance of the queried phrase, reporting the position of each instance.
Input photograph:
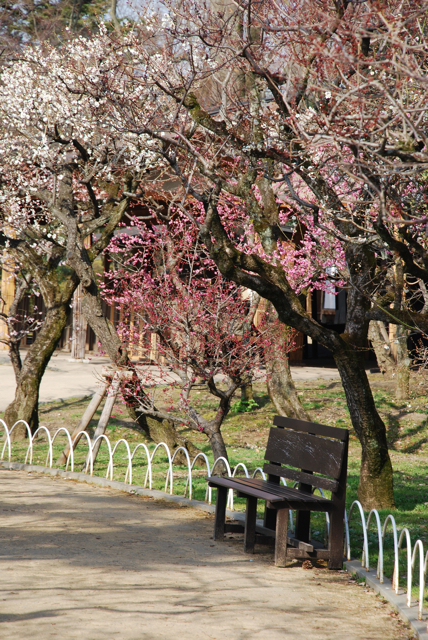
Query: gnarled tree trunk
(375, 488)
(280, 385)
(282, 390)
(25, 404)
(247, 392)
(379, 338)
(402, 380)
(376, 478)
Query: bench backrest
(312, 448)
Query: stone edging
(409, 614)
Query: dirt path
(65, 379)
(81, 562)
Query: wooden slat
(300, 476)
(269, 516)
(316, 554)
(275, 495)
(311, 427)
(230, 483)
(291, 540)
(279, 491)
(262, 539)
(298, 505)
(231, 527)
(305, 451)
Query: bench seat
(320, 454)
(278, 495)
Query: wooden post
(105, 417)
(303, 518)
(220, 513)
(7, 294)
(84, 422)
(153, 356)
(269, 520)
(281, 538)
(250, 525)
(337, 517)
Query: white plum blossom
(57, 109)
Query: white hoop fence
(401, 540)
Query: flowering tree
(18, 323)
(168, 286)
(67, 175)
(322, 105)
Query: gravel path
(82, 562)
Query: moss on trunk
(375, 488)
(25, 404)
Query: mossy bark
(247, 392)
(282, 390)
(25, 404)
(384, 357)
(375, 489)
(280, 384)
(402, 374)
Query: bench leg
(220, 513)
(303, 526)
(281, 537)
(335, 543)
(269, 520)
(250, 525)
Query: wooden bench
(311, 449)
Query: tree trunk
(282, 391)
(280, 385)
(216, 441)
(376, 480)
(212, 428)
(14, 353)
(25, 404)
(375, 488)
(402, 379)
(247, 392)
(381, 346)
